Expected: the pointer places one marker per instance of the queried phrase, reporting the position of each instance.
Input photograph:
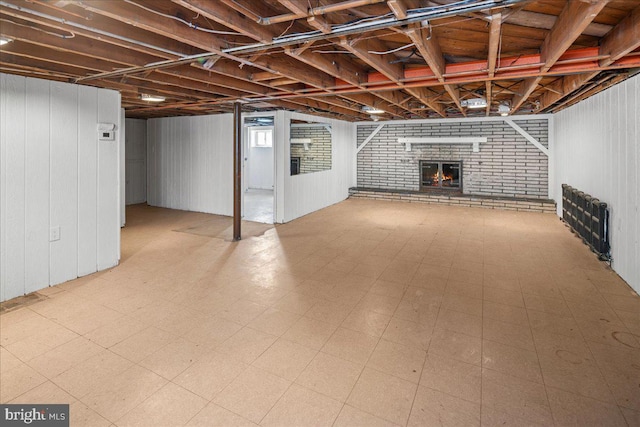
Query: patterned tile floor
(366, 313)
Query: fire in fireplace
(444, 175)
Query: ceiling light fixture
(372, 110)
(4, 40)
(504, 109)
(152, 98)
(474, 103)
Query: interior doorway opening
(258, 175)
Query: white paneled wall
(301, 194)
(136, 161)
(55, 173)
(190, 163)
(190, 166)
(597, 150)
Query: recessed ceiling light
(152, 98)
(371, 110)
(4, 40)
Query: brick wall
(318, 156)
(507, 164)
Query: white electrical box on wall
(106, 132)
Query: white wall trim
(449, 140)
(528, 137)
(457, 120)
(369, 138)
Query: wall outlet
(54, 233)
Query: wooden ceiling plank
(492, 55)
(624, 38)
(228, 17)
(379, 62)
(319, 23)
(572, 21)
(425, 96)
(400, 7)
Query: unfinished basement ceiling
(332, 58)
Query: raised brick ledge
(475, 201)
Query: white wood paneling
(122, 167)
(136, 161)
(63, 263)
(49, 169)
(306, 193)
(190, 163)
(37, 184)
(597, 150)
(87, 181)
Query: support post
(237, 170)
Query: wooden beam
(624, 38)
(492, 55)
(429, 48)
(425, 96)
(379, 62)
(319, 23)
(400, 7)
(228, 17)
(572, 21)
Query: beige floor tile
(246, 345)
(472, 274)
(463, 288)
(620, 368)
(511, 361)
(548, 323)
(17, 381)
(632, 417)
(113, 333)
(388, 288)
(331, 376)
(46, 392)
(504, 313)
(462, 304)
(503, 296)
(494, 417)
(295, 302)
(172, 359)
(121, 393)
(333, 312)
(398, 360)
(143, 344)
(573, 410)
(518, 399)
(37, 342)
(353, 417)
(367, 322)
(408, 333)
(252, 394)
(383, 395)
(301, 406)
(171, 405)
(455, 321)
(8, 361)
(350, 345)
(81, 415)
(310, 332)
(508, 333)
(93, 372)
(378, 303)
(65, 356)
(274, 322)
(213, 331)
(461, 347)
(210, 375)
(432, 407)
(450, 376)
(242, 311)
(285, 359)
(216, 416)
(555, 306)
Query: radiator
(588, 217)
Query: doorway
(259, 169)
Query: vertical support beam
(237, 170)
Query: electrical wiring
(393, 50)
(31, 27)
(187, 23)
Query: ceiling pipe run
(321, 10)
(343, 30)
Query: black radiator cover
(588, 217)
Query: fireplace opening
(440, 175)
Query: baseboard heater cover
(588, 217)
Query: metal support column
(237, 170)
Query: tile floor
(258, 205)
(363, 314)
